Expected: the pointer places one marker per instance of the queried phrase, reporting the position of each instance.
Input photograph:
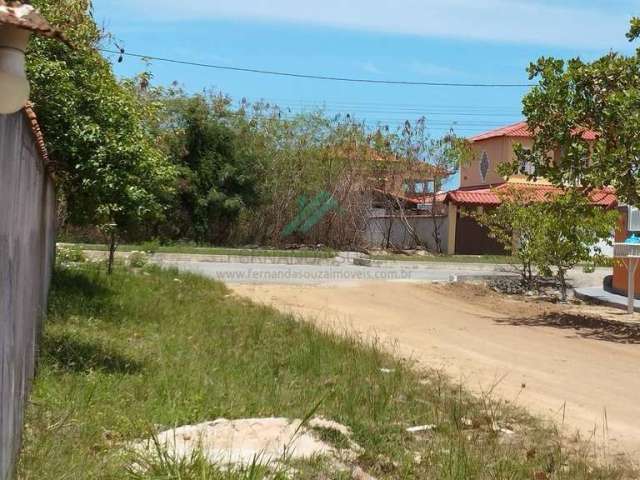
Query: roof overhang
(27, 17)
(493, 197)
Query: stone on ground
(241, 442)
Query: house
(405, 211)
(619, 281)
(481, 186)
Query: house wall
(378, 231)
(27, 246)
(499, 150)
(619, 270)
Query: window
(528, 168)
(418, 187)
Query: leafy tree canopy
(553, 236)
(96, 127)
(217, 168)
(574, 97)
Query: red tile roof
(38, 138)
(518, 130)
(492, 197)
(422, 199)
(484, 197)
(25, 16)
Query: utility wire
(317, 77)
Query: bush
(138, 259)
(151, 246)
(70, 255)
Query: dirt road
(573, 363)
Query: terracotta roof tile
(27, 17)
(484, 197)
(518, 130)
(39, 138)
(492, 197)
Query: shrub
(70, 255)
(138, 259)
(151, 246)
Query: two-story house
(481, 183)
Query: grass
(193, 250)
(126, 355)
(490, 259)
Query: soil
(574, 364)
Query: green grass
(495, 259)
(138, 351)
(192, 250)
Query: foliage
(303, 157)
(216, 171)
(514, 224)
(72, 254)
(150, 246)
(138, 259)
(567, 233)
(553, 236)
(96, 128)
(128, 354)
(185, 248)
(574, 97)
(442, 158)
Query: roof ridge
(32, 118)
(500, 131)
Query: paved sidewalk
(600, 296)
(309, 270)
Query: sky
(452, 41)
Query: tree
(576, 97)
(96, 128)
(555, 235)
(217, 173)
(443, 157)
(514, 224)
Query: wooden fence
(27, 248)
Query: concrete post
(453, 220)
(631, 284)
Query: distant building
(481, 185)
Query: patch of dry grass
(140, 352)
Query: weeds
(135, 349)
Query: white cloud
(431, 69)
(369, 67)
(512, 21)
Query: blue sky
(469, 41)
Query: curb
(602, 300)
(481, 278)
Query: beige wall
(499, 150)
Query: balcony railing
(626, 250)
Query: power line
(318, 77)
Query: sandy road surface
(570, 365)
